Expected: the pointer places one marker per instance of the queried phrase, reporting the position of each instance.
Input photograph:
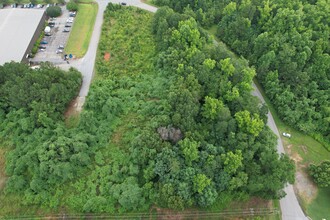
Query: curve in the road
(290, 207)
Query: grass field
(82, 30)
(320, 207)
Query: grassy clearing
(320, 207)
(82, 30)
(149, 2)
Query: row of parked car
(30, 5)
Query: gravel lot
(58, 37)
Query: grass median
(82, 30)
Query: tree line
(288, 44)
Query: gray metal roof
(17, 27)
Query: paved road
(86, 64)
(290, 207)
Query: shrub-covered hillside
(169, 121)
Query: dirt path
(304, 185)
(3, 177)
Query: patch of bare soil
(304, 186)
(236, 210)
(252, 203)
(75, 107)
(3, 176)
(107, 56)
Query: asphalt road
(290, 207)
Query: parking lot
(51, 51)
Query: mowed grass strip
(82, 30)
(320, 207)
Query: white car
(286, 135)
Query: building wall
(35, 37)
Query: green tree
(201, 181)
(211, 108)
(53, 11)
(232, 161)
(72, 6)
(251, 124)
(321, 173)
(190, 150)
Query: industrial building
(19, 30)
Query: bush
(321, 173)
(54, 11)
(72, 6)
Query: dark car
(43, 42)
(123, 3)
(42, 47)
(51, 24)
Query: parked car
(42, 47)
(43, 42)
(72, 14)
(60, 46)
(48, 34)
(123, 3)
(66, 30)
(59, 51)
(68, 25)
(286, 134)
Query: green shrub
(321, 173)
(72, 6)
(54, 11)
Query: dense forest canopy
(287, 42)
(168, 121)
